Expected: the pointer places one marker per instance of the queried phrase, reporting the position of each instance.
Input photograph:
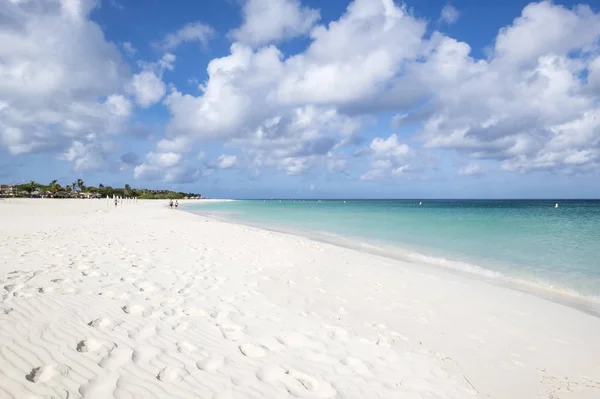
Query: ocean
(528, 242)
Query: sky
(304, 98)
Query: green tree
(32, 186)
(29, 187)
(54, 187)
(80, 185)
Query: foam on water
(531, 243)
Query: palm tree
(68, 188)
(80, 185)
(74, 186)
(53, 187)
(100, 185)
(31, 187)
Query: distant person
(171, 204)
(176, 203)
(116, 202)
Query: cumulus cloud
(169, 167)
(527, 106)
(288, 113)
(226, 161)
(389, 158)
(147, 86)
(472, 169)
(87, 154)
(129, 49)
(449, 14)
(192, 32)
(267, 21)
(531, 104)
(51, 58)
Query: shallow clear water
(524, 240)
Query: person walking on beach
(116, 201)
(171, 204)
(176, 204)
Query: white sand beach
(141, 301)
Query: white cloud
(388, 147)
(449, 14)
(226, 161)
(346, 65)
(594, 75)
(51, 58)
(129, 49)
(472, 169)
(164, 160)
(118, 105)
(389, 158)
(288, 113)
(532, 103)
(169, 167)
(336, 163)
(148, 88)
(267, 21)
(178, 144)
(192, 32)
(527, 106)
(87, 154)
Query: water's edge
(582, 303)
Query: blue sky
(290, 98)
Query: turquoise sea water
(525, 241)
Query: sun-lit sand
(146, 302)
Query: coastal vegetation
(78, 189)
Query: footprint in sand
(292, 340)
(181, 326)
(100, 323)
(137, 309)
(143, 332)
(231, 331)
(186, 347)
(89, 345)
(116, 358)
(13, 288)
(46, 372)
(253, 351)
(144, 354)
(210, 363)
(300, 384)
(133, 309)
(270, 374)
(102, 386)
(194, 312)
(169, 374)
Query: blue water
(527, 241)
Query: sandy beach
(141, 301)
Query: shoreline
(584, 303)
(144, 301)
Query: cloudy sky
(304, 98)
